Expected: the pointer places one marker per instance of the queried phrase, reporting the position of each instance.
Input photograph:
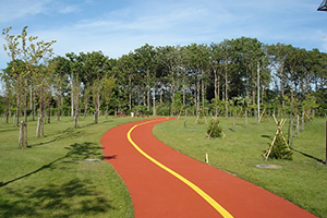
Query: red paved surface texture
(158, 194)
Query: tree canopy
(148, 78)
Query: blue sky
(118, 27)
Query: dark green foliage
(280, 150)
(214, 129)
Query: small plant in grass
(214, 129)
(280, 150)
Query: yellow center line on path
(204, 195)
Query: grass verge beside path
(302, 181)
(51, 178)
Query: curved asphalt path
(165, 183)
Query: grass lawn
(51, 178)
(302, 180)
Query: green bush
(280, 150)
(214, 129)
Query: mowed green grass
(51, 178)
(302, 181)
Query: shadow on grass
(76, 152)
(8, 130)
(47, 166)
(73, 198)
(267, 136)
(108, 121)
(70, 132)
(84, 151)
(308, 155)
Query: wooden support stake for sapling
(207, 158)
(263, 112)
(279, 131)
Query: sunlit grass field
(51, 178)
(302, 180)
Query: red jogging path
(164, 183)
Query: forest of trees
(217, 78)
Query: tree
(277, 55)
(14, 52)
(108, 85)
(215, 59)
(94, 66)
(24, 71)
(177, 103)
(197, 63)
(60, 81)
(145, 57)
(127, 67)
(227, 50)
(42, 75)
(168, 58)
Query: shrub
(280, 150)
(214, 129)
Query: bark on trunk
(76, 117)
(21, 135)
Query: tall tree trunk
(97, 108)
(184, 95)
(8, 113)
(216, 84)
(282, 82)
(144, 98)
(76, 116)
(161, 93)
(203, 94)
(130, 100)
(226, 90)
(130, 92)
(72, 95)
(198, 95)
(49, 112)
(96, 116)
(58, 105)
(21, 135)
(17, 111)
(154, 102)
(139, 96)
(33, 106)
(25, 116)
(148, 98)
(40, 119)
(43, 115)
(258, 86)
(85, 106)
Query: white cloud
(171, 22)
(16, 9)
(69, 9)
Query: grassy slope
(51, 179)
(302, 181)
